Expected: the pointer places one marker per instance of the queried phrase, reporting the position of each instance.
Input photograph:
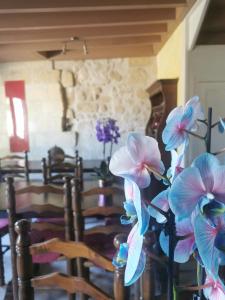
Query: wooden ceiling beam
(83, 32)
(78, 45)
(95, 53)
(15, 6)
(64, 20)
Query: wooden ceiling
(213, 27)
(83, 29)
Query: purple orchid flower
(107, 131)
(136, 256)
(186, 242)
(214, 290)
(203, 180)
(134, 161)
(179, 120)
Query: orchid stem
(203, 121)
(111, 147)
(219, 152)
(151, 170)
(104, 150)
(172, 232)
(195, 134)
(215, 124)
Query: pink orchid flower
(135, 160)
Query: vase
(104, 200)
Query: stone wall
(101, 88)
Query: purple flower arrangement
(190, 211)
(107, 132)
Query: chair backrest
(37, 201)
(54, 170)
(79, 197)
(14, 165)
(71, 250)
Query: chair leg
(2, 277)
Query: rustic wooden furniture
(71, 250)
(16, 165)
(163, 98)
(54, 171)
(13, 162)
(35, 167)
(45, 210)
(100, 237)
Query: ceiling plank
(15, 6)
(77, 19)
(84, 32)
(95, 53)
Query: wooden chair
(14, 165)
(54, 171)
(71, 284)
(99, 237)
(17, 166)
(50, 222)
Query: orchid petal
(143, 149)
(141, 209)
(184, 248)
(205, 235)
(175, 112)
(135, 242)
(161, 201)
(195, 103)
(219, 183)
(215, 290)
(130, 208)
(139, 270)
(171, 136)
(121, 163)
(185, 192)
(186, 120)
(164, 242)
(221, 125)
(184, 227)
(206, 164)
